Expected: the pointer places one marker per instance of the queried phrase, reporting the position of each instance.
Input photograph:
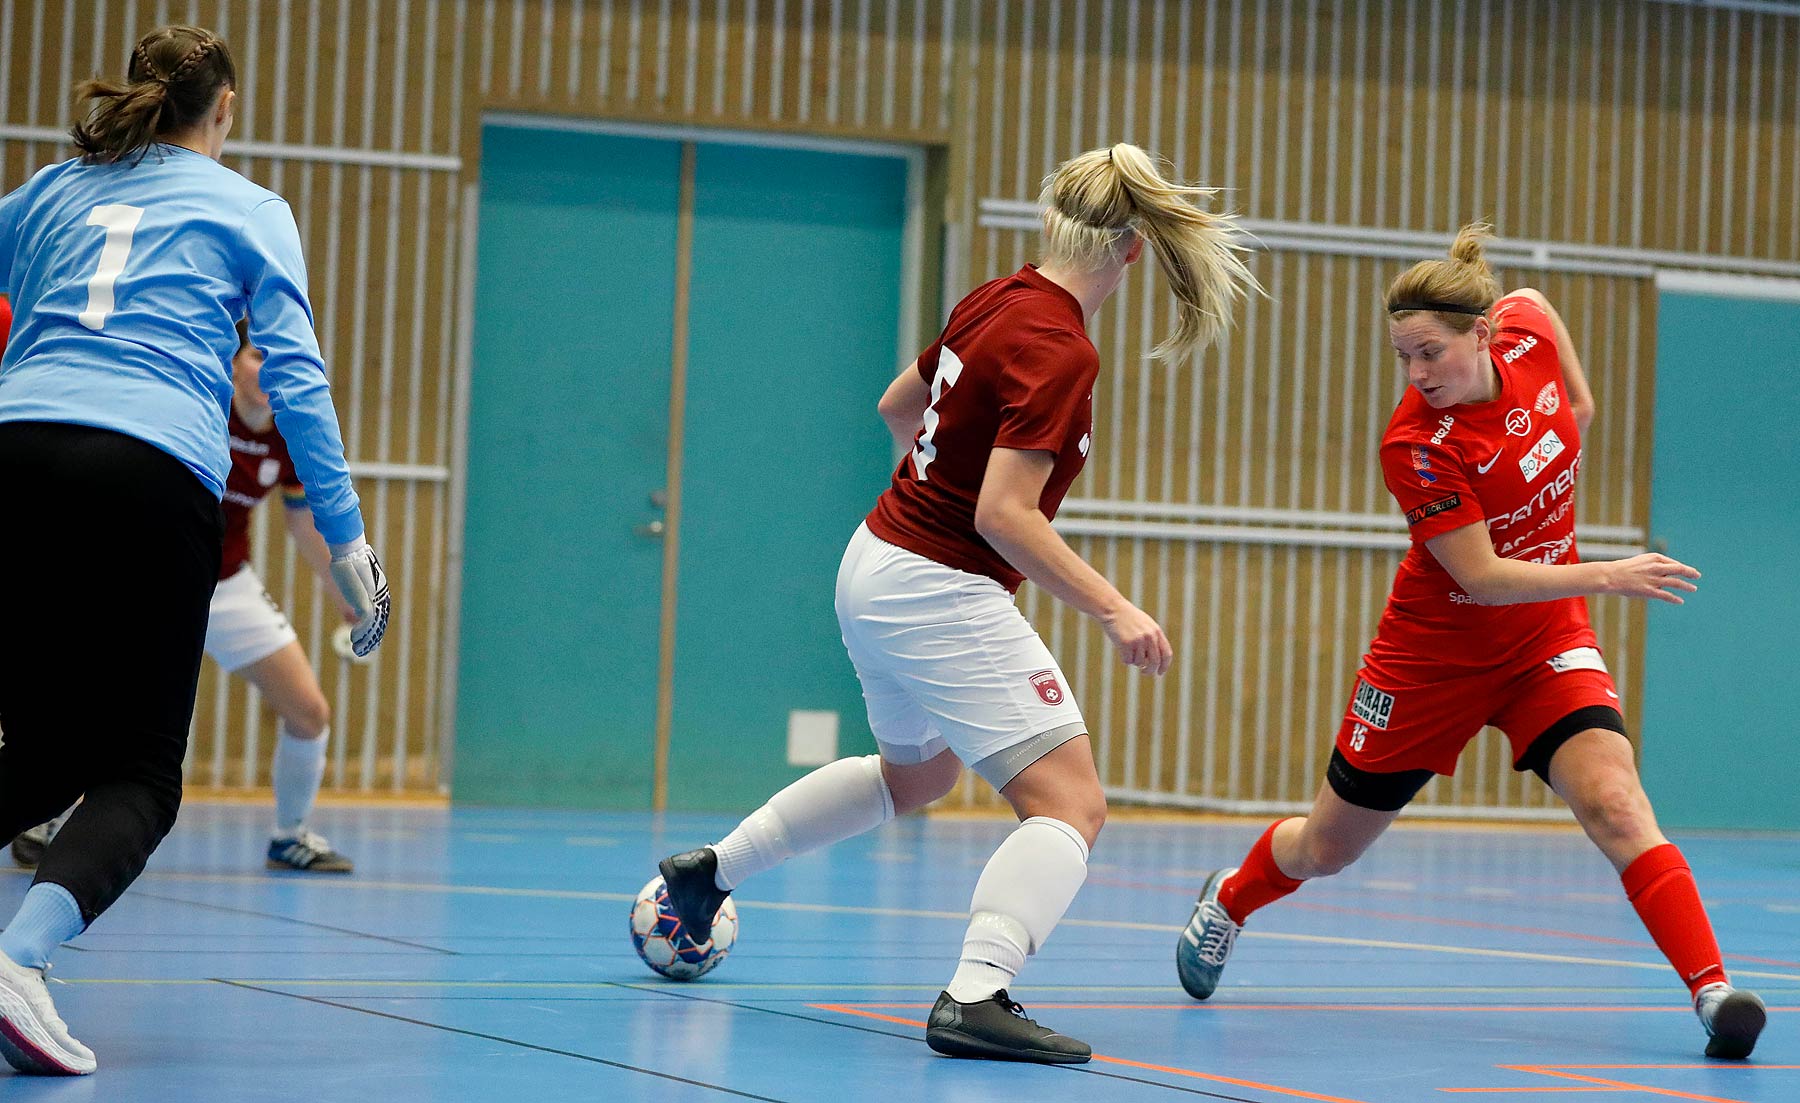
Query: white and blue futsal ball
(656, 933)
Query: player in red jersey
(247, 634)
(997, 415)
(1486, 625)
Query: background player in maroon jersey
(247, 634)
(1486, 625)
(998, 417)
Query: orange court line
(1612, 1085)
(1512, 1009)
(1297, 1093)
(1546, 1070)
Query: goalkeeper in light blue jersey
(128, 268)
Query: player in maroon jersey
(1487, 625)
(247, 634)
(998, 416)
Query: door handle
(651, 531)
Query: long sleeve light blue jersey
(127, 281)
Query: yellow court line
(959, 917)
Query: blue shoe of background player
(1206, 942)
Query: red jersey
(1013, 369)
(5, 322)
(259, 463)
(1510, 463)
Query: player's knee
(914, 787)
(1615, 807)
(1088, 816)
(1325, 856)
(310, 717)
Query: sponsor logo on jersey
(1518, 422)
(1432, 509)
(250, 447)
(1548, 400)
(1549, 495)
(1537, 461)
(1556, 515)
(1372, 706)
(1519, 349)
(1581, 658)
(1457, 597)
(1484, 468)
(1443, 429)
(1552, 551)
(1086, 442)
(1049, 690)
(1422, 465)
(267, 472)
(1358, 736)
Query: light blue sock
(47, 918)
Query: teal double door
(607, 266)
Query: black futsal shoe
(996, 1029)
(693, 893)
(1733, 1020)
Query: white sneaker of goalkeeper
(33, 1038)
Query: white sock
(299, 767)
(829, 805)
(1024, 890)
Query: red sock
(1258, 882)
(1661, 887)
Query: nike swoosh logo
(1613, 695)
(1482, 468)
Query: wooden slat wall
(1656, 125)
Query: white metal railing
(1380, 242)
(285, 151)
(1285, 527)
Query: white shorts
(947, 660)
(245, 625)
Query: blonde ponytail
(1458, 290)
(1095, 203)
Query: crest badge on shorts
(1049, 690)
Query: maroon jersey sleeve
(1041, 391)
(928, 361)
(1430, 484)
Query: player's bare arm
(1007, 516)
(1581, 398)
(903, 405)
(1468, 554)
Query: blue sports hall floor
(482, 954)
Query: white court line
(959, 917)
